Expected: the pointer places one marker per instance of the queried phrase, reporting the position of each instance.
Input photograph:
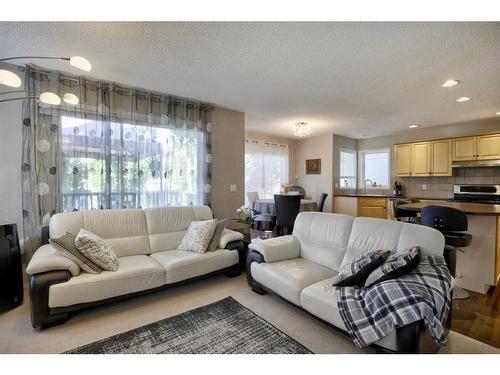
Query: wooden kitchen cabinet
(488, 147)
(430, 158)
(402, 160)
(345, 205)
(464, 149)
(441, 157)
(372, 207)
(421, 159)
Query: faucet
(371, 182)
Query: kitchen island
(478, 265)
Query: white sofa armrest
(278, 248)
(46, 259)
(227, 236)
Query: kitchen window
(375, 166)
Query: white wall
(320, 147)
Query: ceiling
(353, 79)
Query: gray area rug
(222, 327)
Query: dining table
(266, 206)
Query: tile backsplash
(437, 187)
(442, 187)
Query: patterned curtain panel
(117, 148)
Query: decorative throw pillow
(220, 225)
(96, 249)
(66, 245)
(356, 272)
(198, 236)
(396, 265)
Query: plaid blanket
(423, 294)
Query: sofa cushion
(125, 230)
(219, 228)
(198, 236)
(323, 237)
(66, 245)
(396, 265)
(319, 299)
(135, 273)
(356, 272)
(181, 265)
(167, 225)
(289, 277)
(96, 249)
(369, 234)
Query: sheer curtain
(119, 147)
(266, 167)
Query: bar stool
(452, 223)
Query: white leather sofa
(145, 242)
(300, 267)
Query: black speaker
(11, 274)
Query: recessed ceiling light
(450, 83)
(413, 126)
(464, 99)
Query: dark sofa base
(42, 316)
(410, 339)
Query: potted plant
(244, 218)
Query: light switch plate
(424, 187)
(233, 188)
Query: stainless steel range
(477, 193)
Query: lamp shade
(80, 63)
(50, 98)
(9, 79)
(70, 98)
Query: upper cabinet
(481, 147)
(420, 159)
(464, 149)
(402, 160)
(488, 147)
(441, 157)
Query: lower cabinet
(361, 206)
(372, 207)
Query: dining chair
(252, 196)
(300, 189)
(287, 209)
(321, 201)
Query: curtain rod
(130, 90)
(266, 143)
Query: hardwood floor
(473, 317)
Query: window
(266, 168)
(120, 165)
(374, 165)
(347, 168)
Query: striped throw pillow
(66, 245)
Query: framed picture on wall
(313, 166)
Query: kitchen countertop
(369, 195)
(468, 208)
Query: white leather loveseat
(145, 242)
(300, 267)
